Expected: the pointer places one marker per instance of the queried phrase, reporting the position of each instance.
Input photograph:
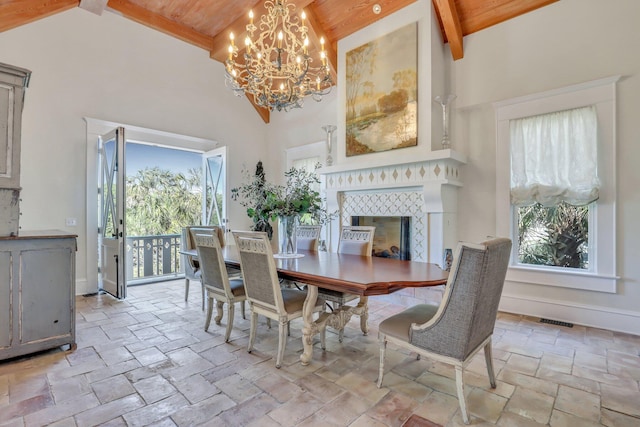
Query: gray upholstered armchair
(463, 323)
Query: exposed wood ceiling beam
(315, 33)
(476, 15)
(20, 12)
(160, 23)
(448, 14)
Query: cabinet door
(45, 295)
(6, 326)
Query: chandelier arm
(277, 69)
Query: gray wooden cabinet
(13, 81)
(37, 292)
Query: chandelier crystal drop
(275, 66)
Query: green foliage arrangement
(160, 201)
(266, 201)
(253, 196)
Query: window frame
(601, 275)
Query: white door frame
(95, 128)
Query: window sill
(565, 279)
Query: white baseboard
(580, 314)
(83, 287)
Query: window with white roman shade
(554, 158)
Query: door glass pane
(215, 189)
(108, 188)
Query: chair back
(259, 270)
(212, 266)
(204, 229)
(356, 240)
(467, 313)
(307, 237)
(188, 240)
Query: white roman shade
(554, 158)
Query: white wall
(111, 68)
(565, 43)
(303, 126)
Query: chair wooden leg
(186, 289)
(268, 323)
(202, 286)
(230, 311)
(282, 342)
(323, 338)
(242, 309)
(364, 317)
(489, 359)
(252, 330)
(383, 348)
(461, 398)
(219, 305)
(207, 322)
(336, 306)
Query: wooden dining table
(359, 275)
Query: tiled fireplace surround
(425, 190)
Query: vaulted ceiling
(207, 23)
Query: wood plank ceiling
(207, 23)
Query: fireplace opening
(392, 238)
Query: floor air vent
(557, 323)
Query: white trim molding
(601, 93)
(587, 315)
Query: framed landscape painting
(382, 93)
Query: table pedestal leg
(337, 320)
(310, 328)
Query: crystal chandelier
(276, 67)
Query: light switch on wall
(71, 222)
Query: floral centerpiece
(297, 200)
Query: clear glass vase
(287, 243)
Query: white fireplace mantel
(381, 161)
(424, 189)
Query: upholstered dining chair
(307, 237)
(216, 282)
(354, 240)
(191, 264)
(463, 323)
(263, 290)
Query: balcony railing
(153, 258)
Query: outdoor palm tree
(554, 236)
(162, 202)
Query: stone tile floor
(147, 361)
